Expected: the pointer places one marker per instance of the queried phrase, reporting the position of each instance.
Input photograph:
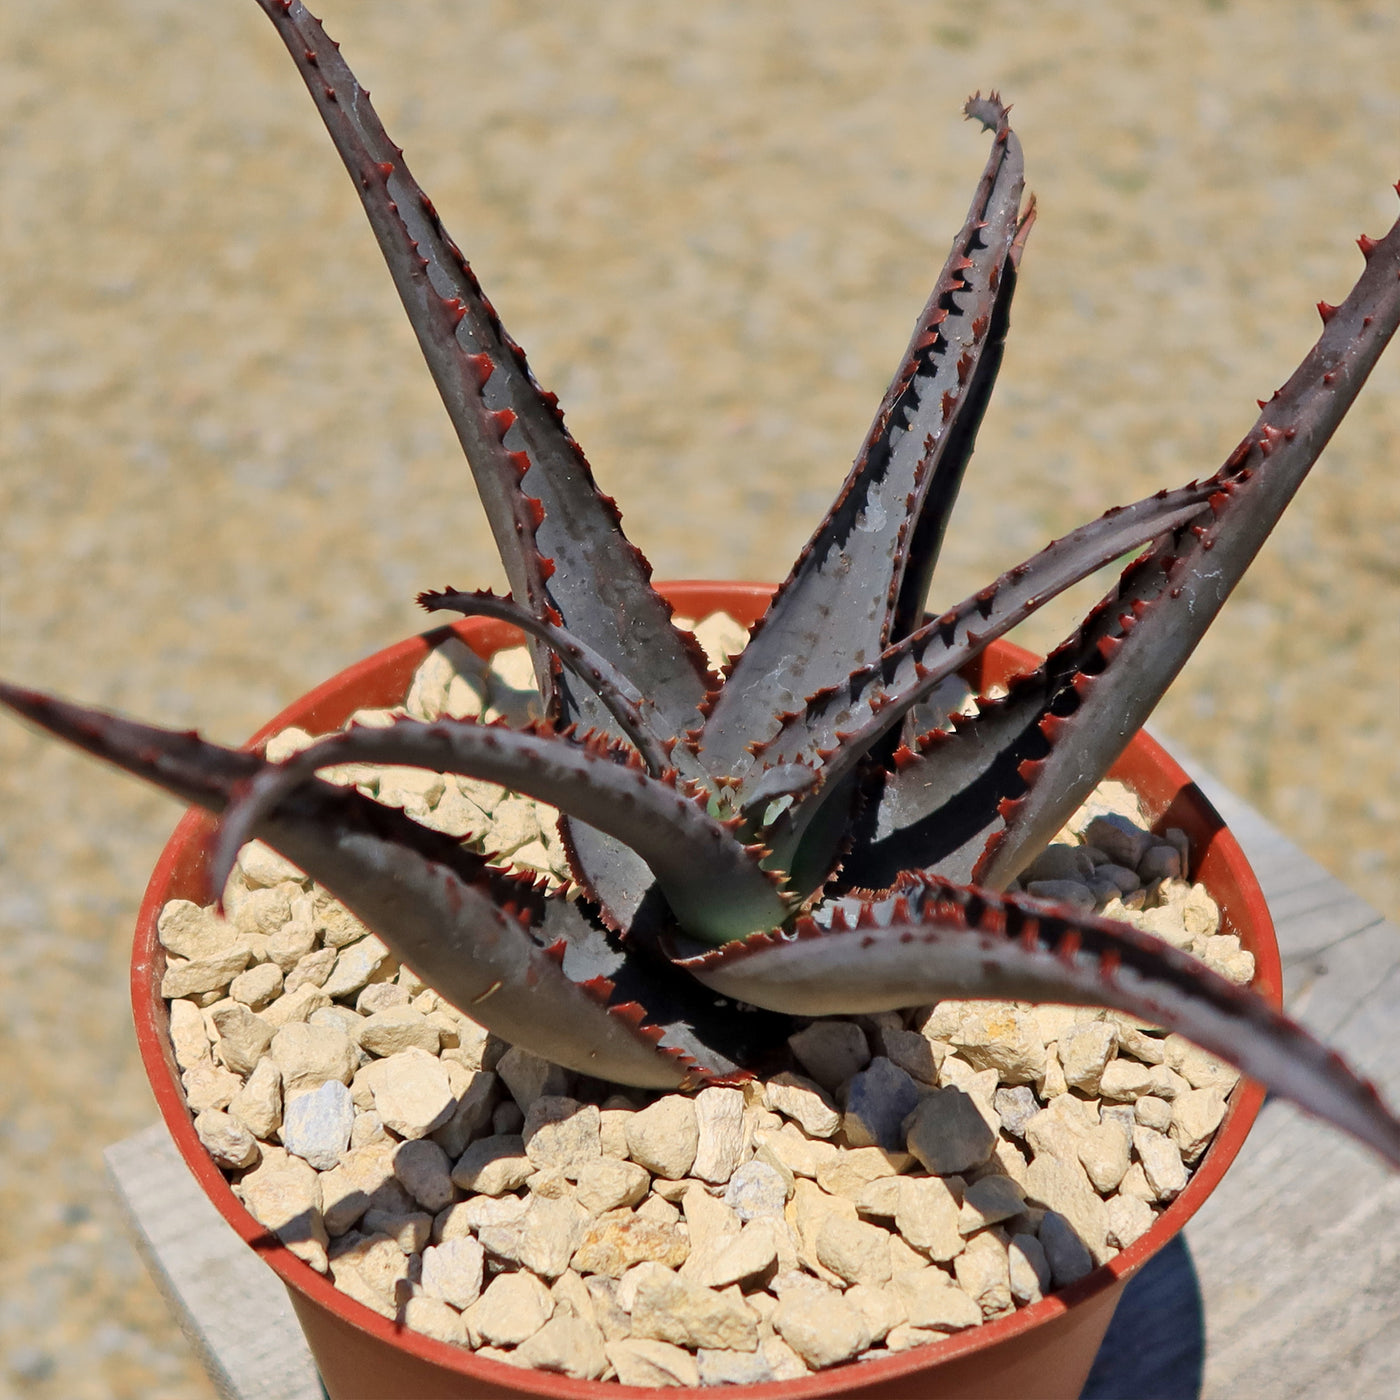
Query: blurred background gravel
(226, 473)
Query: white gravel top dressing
(912, 1175)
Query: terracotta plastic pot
(1040, 1351)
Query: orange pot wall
(1042, 1352)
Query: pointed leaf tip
(989, 110)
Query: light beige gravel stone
(397, 1028)
(257, 986)
(409, 1230)
(822, 1328)
(284, 1194)
(606, 1184)
(206, 974)
(188, 931)
(187, 1034)
(528, 1077)
(422, 1168)
(664, 1137)
(746, 1258)
(258, 1104)
(617, 1242)
(983, 1272)
(566, 1345)
(1063, 1186)
(725, 1137)
(672, 1309)
(1002, 1036)
(1124, 1080)
(928, 1215)
(454, 1270)
(226, 1139)
(790, 1149)
(1129, 1218)
(208, 1085)
(1196, 1115)
(287, 943)
(1161, 1163)
(562, 1134)
(356, 965)
(310, 1055)
(932, 1301)
(805, 1102)
(243, 1036)
(648, 1363)
(1198, 1067)
(1104, 1152)
(1085, 1051)
(297, 1006)
(513, 1307)
(1028, 1270)
(433, 1318)
(854, 1250)
(412, 1093)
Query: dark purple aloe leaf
(835, 731)
(933, 939)
(537, 970)
(560, 539)
(850, 578)
(979, 803)
(633, 711)
(713, 885)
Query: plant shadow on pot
(1042, 1350)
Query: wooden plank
(229, 1304)
(1286, 1284)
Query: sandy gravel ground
(225, 472)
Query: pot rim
(1180, 802)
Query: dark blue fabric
(1156, 1344)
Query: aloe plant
(782, 840)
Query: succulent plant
(786, 839)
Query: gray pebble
(755, 1190)
(878, 1101)
(316, 1125)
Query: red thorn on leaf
(634, 1013)
(481, 367)
(1329, 378)
(504, 419)
(599, 988)
(1367, 246)
(1326, 310)
(1068, 946)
